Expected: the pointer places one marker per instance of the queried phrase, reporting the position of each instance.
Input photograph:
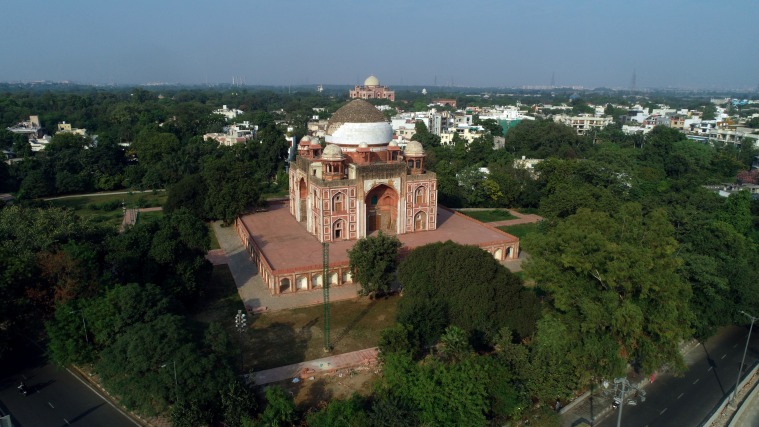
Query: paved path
(315, 367)
(251, 288)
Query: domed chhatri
(371, 81)
(332, 153)
(414, 148)
(357, 122)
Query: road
(689, 400)
(57, 398)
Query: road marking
(697, 380)
(710, 368)
(681, 395)
(51, 405)
(663, 411)
(67, 422)
(106, 400)
(723, 356)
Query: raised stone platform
(289, 259)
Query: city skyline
(683, 44)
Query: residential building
(584, 122)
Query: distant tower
(320, 88)
(633, 83)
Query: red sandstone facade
(372, 90)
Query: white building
(228, 113)
(584, 122)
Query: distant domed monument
(372, 90)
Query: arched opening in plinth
(284, 285)
(381, 209)
(498, 254)
(508, 252)
(301, 283)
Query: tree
(614, 289)
(338, 413)
(280, 408)
(238, 402)
(372, 261)
(491, 126)
(451, 284)
(233, 187)
(544, 138)
(423, 135)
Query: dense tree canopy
(451, 284)
(615, 292)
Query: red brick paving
(216, 256)
(287, 244)
(316, 367)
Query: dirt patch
(293, 336)
(317, 391)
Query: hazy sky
(668, 43)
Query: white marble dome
(414, 148)
(357, 122)
(371, 81)
(332, 153)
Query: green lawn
(150, 216)
(522, 230)
(108, 209)
(489, 215)
(212, 235)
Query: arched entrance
(420, 221)
(381, 209)
(284, 285)
(303, 197)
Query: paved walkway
(251, 288)
(325, 365)
(747, 414)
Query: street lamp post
(86, 338)
(624, 383)
(738, 380)
(176, 383)
(240, 325)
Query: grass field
(489, 215)
(150, 216)
(108, 209)
(522, 230)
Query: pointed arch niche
(381, 209)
